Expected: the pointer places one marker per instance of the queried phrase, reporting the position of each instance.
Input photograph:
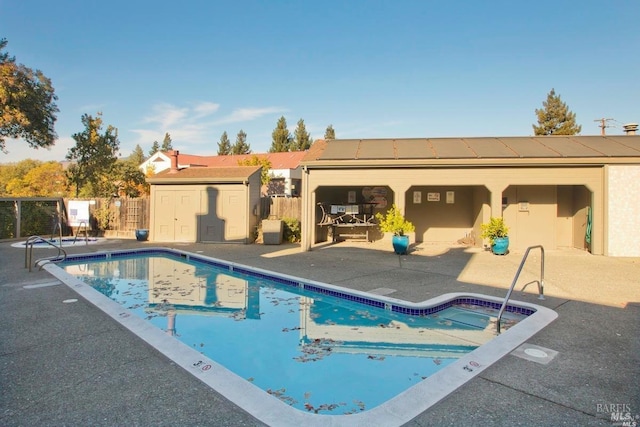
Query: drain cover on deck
(535, 353)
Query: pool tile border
(311, 286)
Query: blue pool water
(316, 352)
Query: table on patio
(348, 220)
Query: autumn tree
(241, 146)
(166, 143)
(27, 103)
(281, 138)
(93, 157)
(555, 118)
(224, 146)
(32, 178)
(259, 161)
(301, 138)
(128, 180)
(329, 133)
(154, 148)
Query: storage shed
(205, 204)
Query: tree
(224, 146)
(281, 138)
(329, 133)
(94, 155)
(241, 146)
(166, 142)
(259, 161)
(555, 118)
(27, 104)
(301, 138)
(137, 155)
(129, 180)
(32, 178)
(154, 148)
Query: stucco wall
(623, 216)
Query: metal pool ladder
(28, 251)
(515, 279)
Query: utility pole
(603, 125)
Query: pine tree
(281, 138)
(166, 142)
(137, 155)
(154, 148)
(241, 146)
(555, 118)
(329, 133)
(224, 146)
(301, 138)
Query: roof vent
(630, 128)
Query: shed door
(224, 216)
(175, 215)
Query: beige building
(204, 204)
(558, 191)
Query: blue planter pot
(142, 234)
(500, 245)
(400, 244)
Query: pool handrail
(515, 279)
(81, 227)
(28, 251)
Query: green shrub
(394, 222)
(493, 229)
(292, 231)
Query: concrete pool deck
(70, 364)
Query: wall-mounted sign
(433, 197)
(451, 195)
(78, 212)
(417, 197)
(351, 197)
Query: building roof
(209, 175)
(478, 150)
(285, 160)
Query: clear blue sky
(372, 69)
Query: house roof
(209, 175)
(478, 150)
(285, 160)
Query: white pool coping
(271, 410)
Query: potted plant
(498, 234)
(394, 222)
(142, 234)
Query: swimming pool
(315, 332)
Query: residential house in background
(285, 172)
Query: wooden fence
(281, 207)
(113, 217)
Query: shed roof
(208, 175)
(550, 149)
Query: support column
(307, 226)
(496, 201)
(400, 196)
